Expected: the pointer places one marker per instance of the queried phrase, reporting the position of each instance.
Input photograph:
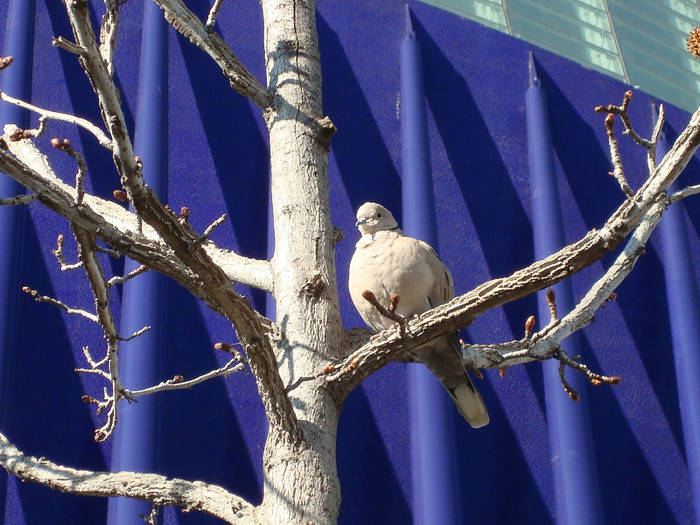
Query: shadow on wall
(102, 174)
(363, 159)
(361, 456)
(201, 421)
(44, 385)
(238, 150)
(571, 135)
(503, 227)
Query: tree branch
(55, 302)
(541, 344)
(638, 214)
(58, 253)
(117, 226)
(618, 172)
(658, 128)
(98, 72)
(18, 200)
(62, 117)
(201, 274)
(109, 30)
(215, 287)
(212, 499)
(685, 192)
(213, 13)
(87, 249)
(622, 111)
(179, 383)
(191, 27)
(212, 284)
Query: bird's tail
(445, 362)
(468, 401)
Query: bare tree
(301, 483)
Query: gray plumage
(387, 262)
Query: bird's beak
(360, 221)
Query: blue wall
(475, 81)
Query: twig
(595, 379)
(210, 229)
(87, 248)
(152, 518)
(178, 383)
(69, 46)
(95, 371)
(18, 199)
(108, 33)
(137, 333)
(187, 23)
(109, 251)
(228, 348)
(624, 116)
(685, 192)
(389, 313)
(21, 134)
(571, 392)
(658, 130)
(213, 13)
(107, 93)
(66, 146)
(6, 62)
(61, 117)
(91, 361)
(124, 278)
(58, 253)
(55, 302)
(618, 172)
(552, 304)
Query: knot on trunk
(314, 287)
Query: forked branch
(191, 27)
(639, 214)
(194, 266)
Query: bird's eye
(379, 215)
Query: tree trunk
(301, 481)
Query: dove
(387, 262)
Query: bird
(387, 262)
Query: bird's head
(373, 217)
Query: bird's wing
(442, 289)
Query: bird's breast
(393, 268)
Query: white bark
(301, 482)
(197, 495)
(115, 224)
